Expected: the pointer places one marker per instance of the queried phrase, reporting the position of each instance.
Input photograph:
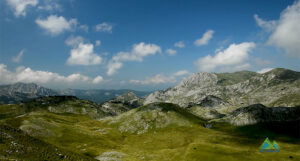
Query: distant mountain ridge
(19, 92)
(100, 95)
(278, 87)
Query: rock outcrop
(122, 103)
(279, 87)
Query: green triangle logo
(275, 145)
(268, 146)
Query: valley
(199, 119)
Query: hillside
(279, 87)
(211, 116)
(16, 145)
(122, 103)
(100, 95)
(153, 132)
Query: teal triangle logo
(268, 146)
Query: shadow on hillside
(288, 131)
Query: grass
(236, 77)
(10, 110)
(188, 141)
(16, 145)
(294, 97)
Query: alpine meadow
(138, 80)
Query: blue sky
(143, 45)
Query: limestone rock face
(259, 113)
(279, 87)
(192, 89)
(19, 92)
(122, 103)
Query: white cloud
(20, 6)
(234, 57)
(171, 51)
(264, 70)
(266, 25)
(113, 67)
(157, 79)
(74, 41)
(97, 43)
(161, 78)
(27, 75)
(56, 24)
(179, 44)
(83, 54)
(97, 79)
(181, 73)
(104, 27)
(18, 58)
(137, 53)
(205, 38)
(84, 28)
(287, 32)
(49, 5)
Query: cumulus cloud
(74, 41)
(113, 67)
(161, 78)
(287, 32)
(234, 57)
(50, 5)
(266, 25)
(264, 70)
(97, 79)
(84, 28)
(181, 73)
(20, 6)
(97, 43)
(179, 44)
(137, 53)
(104, 27)
(27, 75)
(18, 57)
(205, 38)
(55, 25)
(157, 79)
(83, 54)
(171, 51)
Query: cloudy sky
(143, 45)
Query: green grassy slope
(156, 132)
(16, 145)
(236, 77)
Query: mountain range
(278, 87)
(18, 92)
(216, 116)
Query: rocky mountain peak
(236, 89)
(29, 88)
(19, 92)
(129, 96)
(198, 79)
(283, 74)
